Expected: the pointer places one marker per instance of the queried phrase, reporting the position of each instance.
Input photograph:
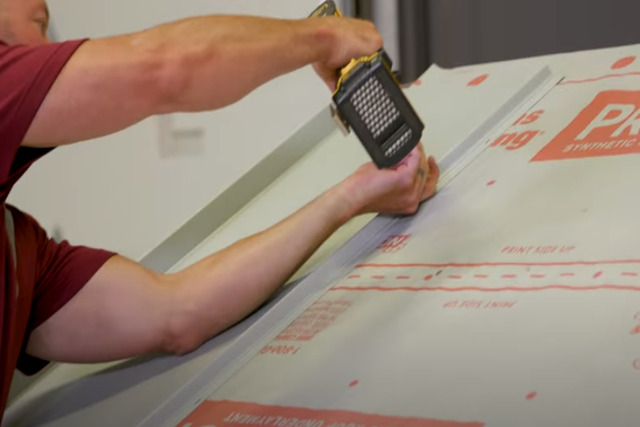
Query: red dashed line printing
(487, 276)
(501, 264)
(482, 289)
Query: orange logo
(609, 126)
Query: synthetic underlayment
(512, 299)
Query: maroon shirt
(49, 274)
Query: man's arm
(126, 310)
(195, 64)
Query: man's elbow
(185, 326)
(181, 343)
(181, 333)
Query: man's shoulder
(27, 74)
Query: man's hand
(394, 191)
(348, 38)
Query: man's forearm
(195, 64)
(126, 310)
(213, 61)
(220, 290)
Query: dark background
(460, 32)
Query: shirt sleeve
(26, 76)
(61, 271)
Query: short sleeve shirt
(46, 274)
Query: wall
(129, 191)
(465, 32)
